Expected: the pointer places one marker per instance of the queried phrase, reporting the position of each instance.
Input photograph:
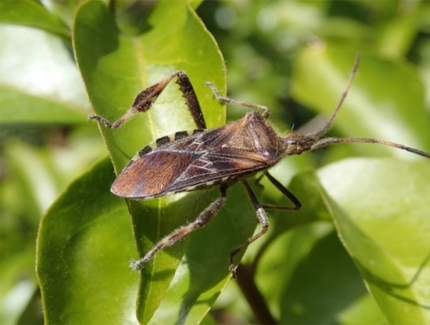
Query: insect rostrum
(199, 159)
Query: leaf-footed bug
(202, 158)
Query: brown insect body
(223, 156)
(201, 160)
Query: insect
(202, 158)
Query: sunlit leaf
(46, 89)
(32, 14)
(380, 208)
(115, 67)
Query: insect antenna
(312, 141)
(329, 141)
(327, 126)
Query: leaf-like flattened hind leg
(144, 100)
(179, 233)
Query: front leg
(144, 100)
(228, 100)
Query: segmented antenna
(327, 126)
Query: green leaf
(39, 84)
(386, 101)
(21, 107)
(46, 89)
(32, 14)
(26, 193)
(397, 36)
(29, 177)
(380, 208)
(17, 279)
(323, 284)
(82, 256)
(115, 67)
(305, 274)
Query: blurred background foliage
(46, 141)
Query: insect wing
(198, 161)
(151, 175)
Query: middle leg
(262, 219)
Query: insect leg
(191, 99)
(227, 100)
(204, 217)
(296, 203)
(148, 96)
(262, 219)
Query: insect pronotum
(202, 158)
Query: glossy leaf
(115, 67)
(83, 245)
(323, 284)
(380, 209)
(384, 228)
(305, 274)
(26, 194)
(32, 14)
(377, 198)
(46, 89)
